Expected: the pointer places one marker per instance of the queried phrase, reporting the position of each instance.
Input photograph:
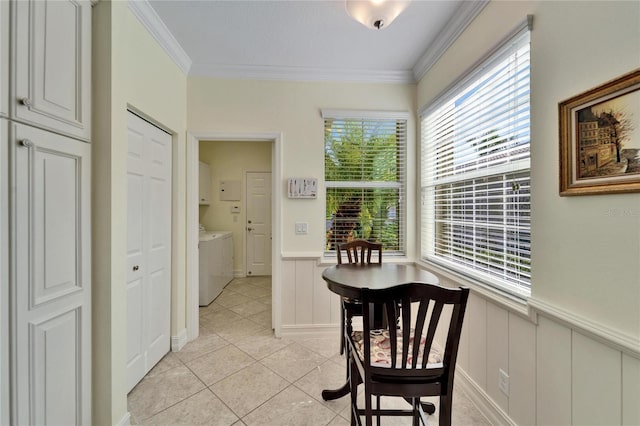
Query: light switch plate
(302, 228)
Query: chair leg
(342, 325)
(414, 408)
(444, 416)
(368, 409)
(353, 380)
(378, 408)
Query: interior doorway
(193, 141)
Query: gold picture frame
(600, 139)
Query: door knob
(136, 267)
(26, 143)
(26, 102)
(249, 229)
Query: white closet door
(51, 278)
(148, 247)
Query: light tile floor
(238, 373)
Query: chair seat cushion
(381, 350)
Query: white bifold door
(148, 247)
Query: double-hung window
(475, 183)
(364, 160)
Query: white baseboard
(178, 342)
(238, 273)
(125, 421)
(310, 330)
(481, 400)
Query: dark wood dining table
(348, 280)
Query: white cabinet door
(4, 58)
(52, 70)
(50, 280)
(148, 247)
(204, 189)
(5, 331)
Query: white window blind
(475, 172)
(365, 178)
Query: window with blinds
(364, 158)
(476, 208)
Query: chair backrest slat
(406, 331)
(422, 314)
(391, 314)
(431, 331)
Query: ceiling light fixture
(375, 14)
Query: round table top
(348, 280)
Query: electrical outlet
(503, 382)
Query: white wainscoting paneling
(630, 390)
(497, 352)
(522, 370)
(288, 293)
(476, 319)
(307, 303)
(553, 373)
(304, 291)
(559, 374)
(597, 382)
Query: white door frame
(193, 139)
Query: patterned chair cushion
(381, 350)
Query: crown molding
(258, 72)
(460, 21)
(159, 31)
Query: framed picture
(600, 139)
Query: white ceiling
(302, 40)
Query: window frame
(427, 226)
(364, 116)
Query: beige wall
(130, 70)
(293, 108)
(588, 267)
(573, 353)
(230, 161)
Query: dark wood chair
(358, 252)
(400, 367)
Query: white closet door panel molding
(52, 65)
(51, 280)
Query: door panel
(56, 373)
(51, 277)
(149, 247)
(258, 223)
(56, 235)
